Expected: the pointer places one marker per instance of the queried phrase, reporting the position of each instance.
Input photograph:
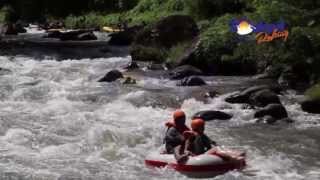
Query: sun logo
(244, 28)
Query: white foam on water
(46, 134)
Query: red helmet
(197, 124)
(178, 114)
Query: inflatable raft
(110, 29)
(206, 165)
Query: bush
(314, 92)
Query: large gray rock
(263, 98)
(277, 111)
(111, 76)
(256, 95)
(311, 106)
(212, 115)
(126, 37)
(191, 81)
(184, 71)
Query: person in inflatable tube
(174, 135)
(196, 142)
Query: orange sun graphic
(244, 28)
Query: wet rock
(277, 111)
(86, 36)
(191, 81)
(132, 65)
(212, 115)
(296, 76)
(311, 106)
(263, 98)
(111, 76)
(77, 35)
(287, 120)
(184, 71)
(124, 38)
(237, 98)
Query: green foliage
(144, 53)
(177, 51)
(314, 92)
(202, 9)
(216, 40)
(2, 15)
(149, 11)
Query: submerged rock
(192, 81)
(184, 71)
(111, 76)
(212, 115)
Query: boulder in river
(87, 36)
(212, 115)
(76, 35)
(111, 76)
(256, 95)
(184, 71)
(277, 111)
(311, 106)
(263, 98)
(125, 37)
(192, 81)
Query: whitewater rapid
(58, 123)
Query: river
(58, 123)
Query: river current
(58, 123)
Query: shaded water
(57, 122)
